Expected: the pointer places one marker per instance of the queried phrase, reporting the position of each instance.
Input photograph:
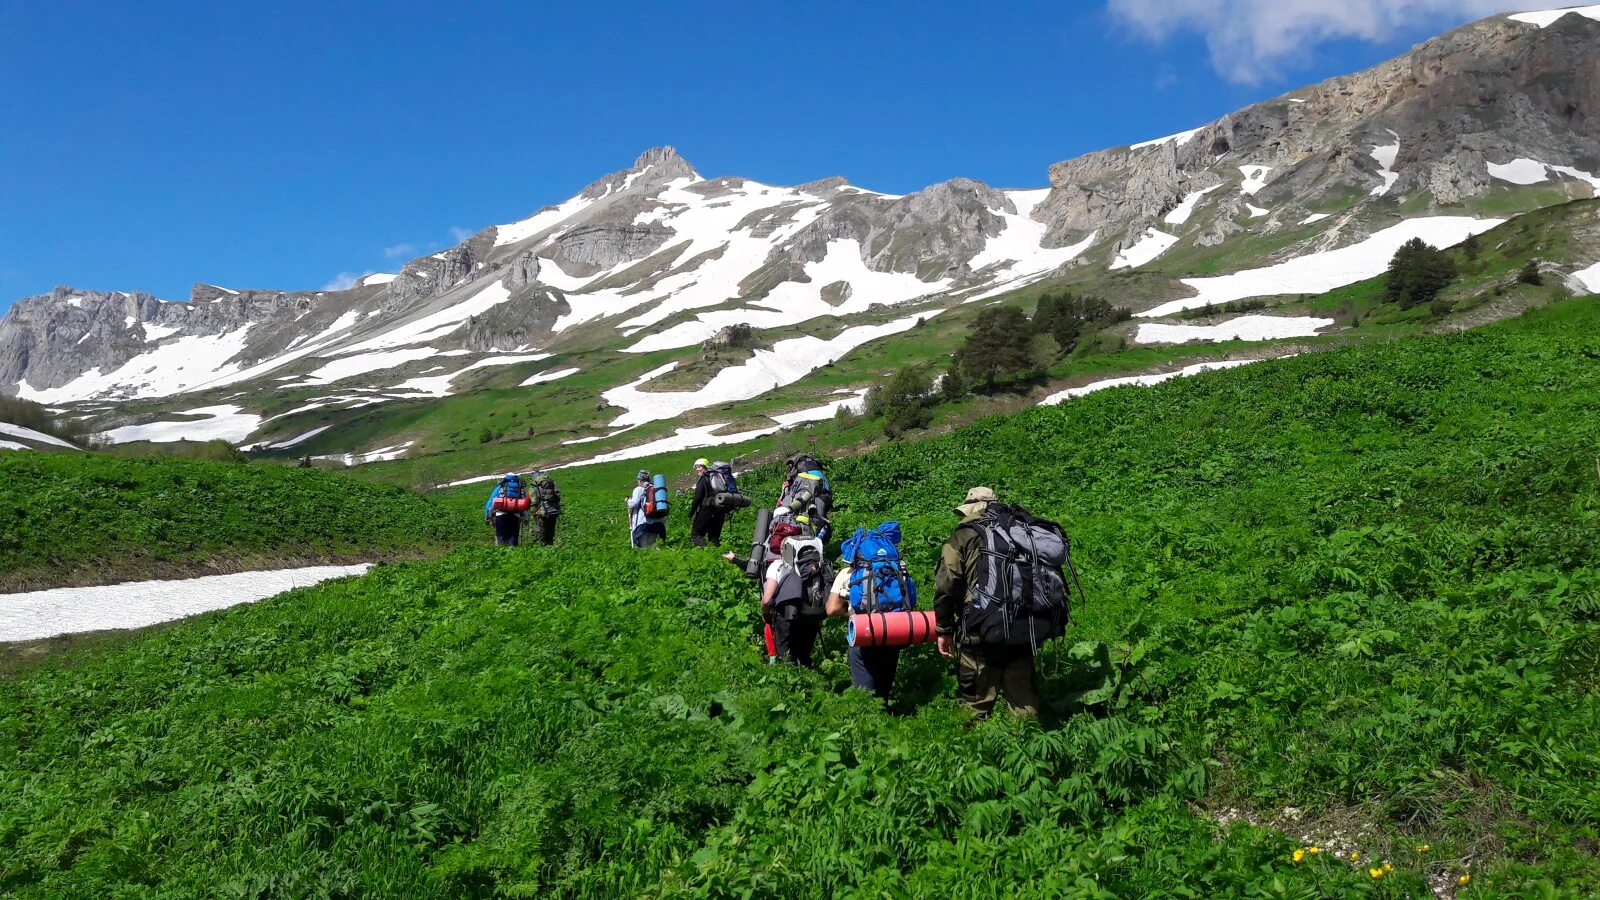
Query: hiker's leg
(803, 639)
(1019, 682)
(977, 683)
(714, 532)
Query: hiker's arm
(949, 588)
(635, 500)
(767, 592)
(488, 505)
(837, 605)
(700, 492)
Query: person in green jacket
(984, 672)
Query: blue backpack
(878, 578)
(511, 486)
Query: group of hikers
(1001, 588)
(515, 502)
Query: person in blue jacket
(507, 525)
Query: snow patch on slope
(1255, 178)
(1546, 18)
(787, 362)
(1143, 380)
(1316, 273)
(1181, 138)
(227, 423)
(1147, 248)
(1020, 241)
(40, 614)
(28, 434)
(543, 377)
(1185, 209)
(1386, 155)
(1243, 328)
(1589, 278)
(169, 368)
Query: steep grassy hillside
(68, 518)
(1360, 583)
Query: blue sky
(149, 146)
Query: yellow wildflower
(1388, 867)
(1299, 855)
(1424, 848)
(1355, 855)
(1313, 850)
(1375, 873)
(1463, 880)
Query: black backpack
(546, 496)
(809, 578)
(1018, 596)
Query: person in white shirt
(643, 531)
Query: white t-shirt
(841, 583)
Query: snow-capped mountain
(1471, 126)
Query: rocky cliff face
(665, 258)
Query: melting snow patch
(682, 439)
(1147, 248)
(1570, 172)
(1021, 238)
(351, 366)
(1243, 328)
(1257, 212)
(13, 445)
(1315, 218)
(1319, 272)
(1546, 18)
(1185, 209)
(1143, 380)
(226, 423)
(439, 385)
(377, 278)
(440, 323)
(1386, 155)
(1181, 138)
(172, 367)
(384, 454)
(787, 362)
(542, 377)
(1520, 171)
(825, 411)
(28, 434)
(298, 439)
(1589, 278)
(135, 604)
(1255, 178)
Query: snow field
(1316, 273)
(439, 323)
(1243, 328)
(1146, 249)
(227, 423)
(787, 362)
(1020, 242)
(439, 385)
(1589, 278)
(1526, 171)
(28, 434)
(351, 366)
(136, 604)
(1185, 209)
(169, 368)
(1546, 18)
(377, 278)
(13, 445)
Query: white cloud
(459, 234)
(1250, 39)
(400, 250)
(344, 281)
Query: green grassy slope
(1362, 583)
(68, 518)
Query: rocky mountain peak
(654, 168)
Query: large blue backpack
(879, 581)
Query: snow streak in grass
(1243, 328)
(1143, 380)
(28, 434)
(135, 604)
(1181, 214)
(1386, 155)
(227, 423)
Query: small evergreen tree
(1418, 273)
(905, 401)
(1530, 274)
(997, 345)
(1471, 248)
(954, 385)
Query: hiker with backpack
(806, 492)
(647, 508)
(794, 596)
(506, 509)
(545, 507)
(1000, 594)
(873, 579)
(716, 494)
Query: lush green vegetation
(73, 518)
(1361, 583)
